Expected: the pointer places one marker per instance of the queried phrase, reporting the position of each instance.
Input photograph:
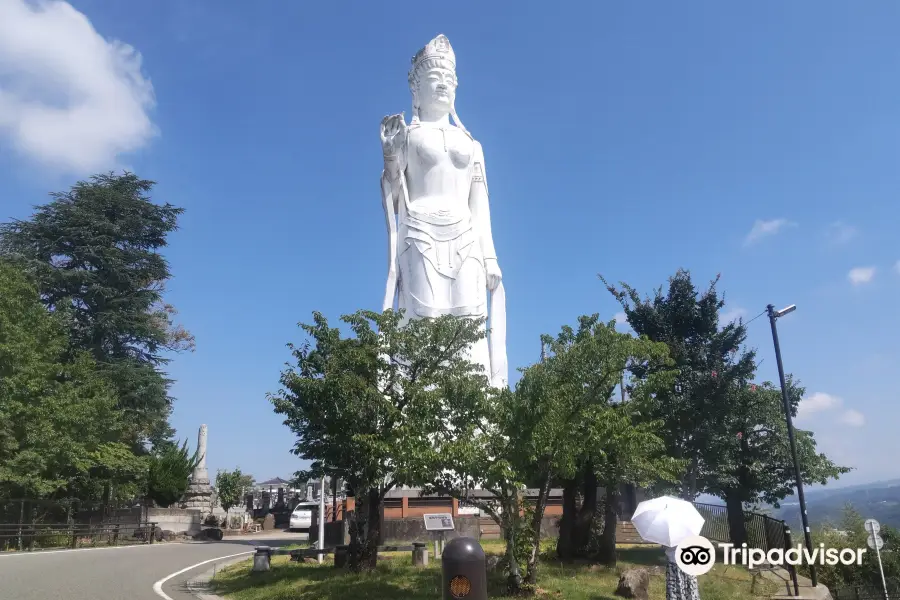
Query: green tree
(753, 462)
(594, 432)
(849, 532)
(169, 472)
(364, 408)
(231, 487)
(58, 424)
(94, 252)
(708, 360)
(732, 432)
(478, 449)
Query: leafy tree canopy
(708, 359)
(231, 486)
(58, 421)
(170, 468)
(365, 407)
(93, 251)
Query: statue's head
(432, 78)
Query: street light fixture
(785, 311)
(773, 315)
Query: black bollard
(464, 570)
(341, 555)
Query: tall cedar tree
(94, 251)
(365, 408)
(708, 359)
(732, 432)
(59, 428)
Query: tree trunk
(736, 525)
(689, 489)
(537, 518)
(514, 575)
(358, 529)
(607, 551)
(373, 535)
(584, 522)
(565, 544)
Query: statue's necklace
(443, 131)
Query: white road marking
(42, 552)
(157, 587)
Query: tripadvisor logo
(696, 556)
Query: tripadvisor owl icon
(695, 555)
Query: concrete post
(420, 555)
(261, 560)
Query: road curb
(199, 586)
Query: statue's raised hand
(393, 133)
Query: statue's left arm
(481, 216)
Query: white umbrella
(667, 520)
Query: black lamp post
(773, 315)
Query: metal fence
(43, 536)
(763, 531)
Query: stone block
(634, 583)
(269, 522)
(210, 534)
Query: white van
(301, 518)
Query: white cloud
(69, 99)
(853, 418)
(763, 229)
(897, 267)
(861, 275)
(732, 314)
(621, 318)
(817, 402)
(841, 233)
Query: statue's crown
(439, 48)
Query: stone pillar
(261, 560)
(199, 494)
(420, 555)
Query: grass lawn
(397, 579)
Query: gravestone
(269, 522)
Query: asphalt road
(125, 573)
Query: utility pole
(773, 315)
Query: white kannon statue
(441, 250)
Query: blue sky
(629, 139)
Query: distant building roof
(275, 481)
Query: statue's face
(437, 89)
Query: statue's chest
(441, 148)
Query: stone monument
(441, 256)
(199, 494)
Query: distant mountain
(880, 500)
